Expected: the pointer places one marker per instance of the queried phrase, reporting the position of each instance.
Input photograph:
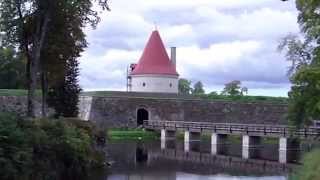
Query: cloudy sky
(217, 42)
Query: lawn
(17, 92)
(131, 134)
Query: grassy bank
(310, 170)
(131, 134)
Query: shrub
(311, 167)
(45, 148)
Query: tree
(12, 69)
(232, 88)
(198, 88)
(28, 25)
(298, 52)
(25, 23)
(305, 56)
(184, 86)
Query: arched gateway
(142, 114)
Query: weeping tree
(44, 31)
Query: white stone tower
(155, 72)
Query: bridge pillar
(186, 136)
(215, 140)
(165, 134)
(247, 143)
(186, 146)
(163, 144)
(191, 136)
(286, 144)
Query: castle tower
(155, 72)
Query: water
(174, 161)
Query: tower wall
(155, 83)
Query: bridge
(251, 134)
(254, 165)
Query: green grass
(131, 134)
(16, 92)
(247, 98)
(13, 92)
(310, 170)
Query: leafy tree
(305, 57)
(12, 69)
(213, 93)
(298, 52)
(184, 86)
(234, 88)
(30, 24)
(198, 88)
(63, 96)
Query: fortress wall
(121, 111)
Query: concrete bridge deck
(260, 130)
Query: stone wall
(121, 111)
(18, 104)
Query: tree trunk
(35, 61)
(44, 85)
(32, 85)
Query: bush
(45, 149)
(311, 167)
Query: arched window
(170, 84)
(144, 84)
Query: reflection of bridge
(251, 134)
(222, 161)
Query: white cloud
(217, 40)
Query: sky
(217, 42)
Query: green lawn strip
(131, 134)
(244, 99)
(17, 92)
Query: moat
(149, 160)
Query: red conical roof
(154, 59)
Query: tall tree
(184, 86)
(198, 88)
(304, 101)
(25, 23)
(29, 23)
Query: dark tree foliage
(304, 53)
(198, 88)
(64, 95)
(50, 35)
(184, 86)
(12, 69)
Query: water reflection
(174, 160)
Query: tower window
(170, 84)
(144, 84)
